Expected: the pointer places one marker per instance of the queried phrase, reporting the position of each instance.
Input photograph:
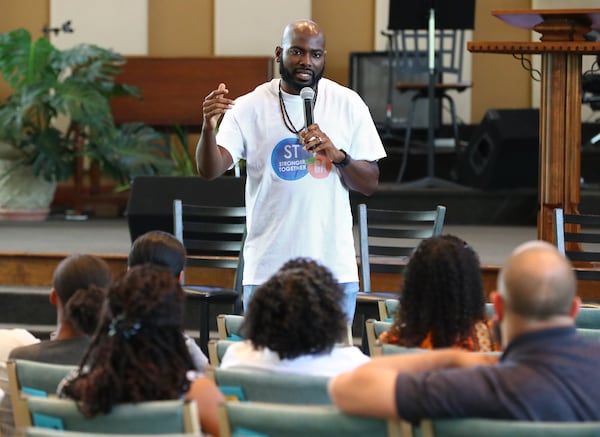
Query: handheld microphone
(308, 95)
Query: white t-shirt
(340, 359)
(297, 206)
(9, 340)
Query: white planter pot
(22, 195)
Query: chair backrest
(388, 237)
(249, 384)
(587, 332)
(577, 236)
(217, 349)
(588, 317)
(152, 417)
(32, 378)
(394, 349)
(408, 33)
(387, 309)
(506, 428)
(213, 236)
(410, 49)
(228, 326)
(34, 431)
(374, 329)
(278, 420)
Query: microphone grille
(307, 93)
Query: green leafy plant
(74, 85)
(179, 152)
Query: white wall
(121, 25)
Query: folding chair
(32, 378)
(247, 384)
(151, 417)
(577, 236)
(278, 420)
(213, 237)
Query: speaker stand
(430, 181)
(392, 51)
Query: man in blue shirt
(546, 372)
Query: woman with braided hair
(138, 353)
(442, 303)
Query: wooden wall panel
(499, 81)
(180, 27)
(348, 26)
(29, 14)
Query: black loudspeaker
(369, 75)
(503, 152)
(150, 205)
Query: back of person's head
(138, 352)
(537, 282)
(80, 283)
(297, 311)
(159, 248)
(442, 294)
(79, 272)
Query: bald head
(305, 28)
(537, 282)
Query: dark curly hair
(297, 311)
(442, 294)
(84, 309)
(138, 353)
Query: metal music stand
(432, 15)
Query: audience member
(138, 353)
(163, 249)
(9, 339)
(442, 302)
(293, 323)
(546, 373)
(78, 291)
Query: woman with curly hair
(442, 303)
(293, 322)
(138, 353)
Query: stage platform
(30, 251)
(110, 237)
(493, 222)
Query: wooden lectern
(561, 46)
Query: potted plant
(59, 113)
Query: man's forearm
(370, 388)
(210, 159)
(361, 176)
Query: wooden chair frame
(41, 377)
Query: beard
(289, 78)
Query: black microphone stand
(430, 181)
